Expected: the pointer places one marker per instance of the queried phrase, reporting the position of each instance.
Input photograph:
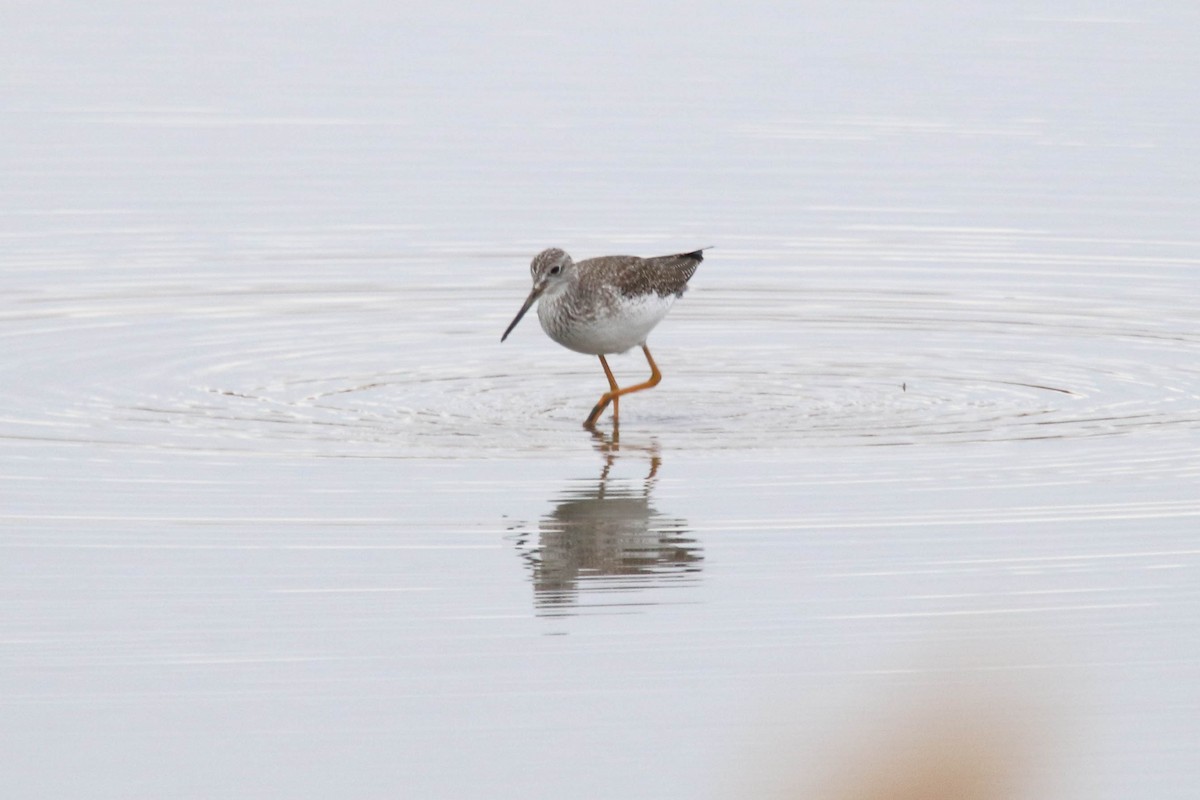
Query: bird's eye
(555, 269)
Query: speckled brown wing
(633, 276)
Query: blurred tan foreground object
(946, 753)
(966, 736)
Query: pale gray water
(282, 517)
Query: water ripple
(789, 358)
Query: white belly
(627, 325)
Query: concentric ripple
(814, 357)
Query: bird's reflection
(605, 538)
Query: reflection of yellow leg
(615, 393)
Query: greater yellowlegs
(606, 305)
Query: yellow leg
(605, 399)
(614, 394)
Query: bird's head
(551, 271)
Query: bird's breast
(611, 323)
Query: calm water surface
(282, 517)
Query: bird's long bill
(529, 301)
